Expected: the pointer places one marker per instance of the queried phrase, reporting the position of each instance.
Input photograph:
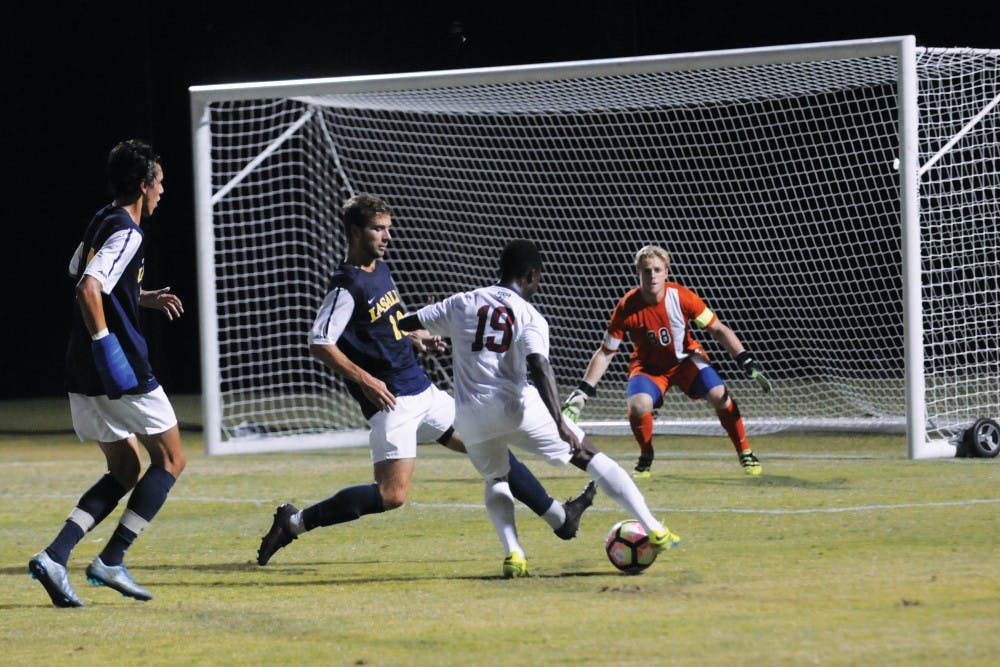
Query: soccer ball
(628, 547)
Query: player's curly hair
(517, 258)
(651, 251)
(131, 163)
(361, 209)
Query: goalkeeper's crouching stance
(657, 316)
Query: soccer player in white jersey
(355, 334)
(505, 394)
(114, 397)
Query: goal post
(831, 202)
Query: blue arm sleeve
(112, 366)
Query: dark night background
(80, 76)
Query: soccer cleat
(575, 507)
(642, 468)
(751, 465)
(663, 540)
(116, 577)
(52, 576)
(279, 535)
(514, 566)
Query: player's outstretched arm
(587, 388)
(732, 344)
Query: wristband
(587, 389)
(100, 334)
(743, 359)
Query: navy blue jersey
(359, 316)
(112, 252)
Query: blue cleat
(52, 576)
(116, 577)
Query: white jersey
(492, 330)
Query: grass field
(843, 553)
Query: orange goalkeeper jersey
(659, 332)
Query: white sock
(612, 479)
(500, 506)
(555, 516)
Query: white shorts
(531, 429)
(101, 419)
(423, 417)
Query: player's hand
(113, 367)
(568, 436)
(162, 300)
(574, 404)
(378, 393)
(427, 343)
(749, 366)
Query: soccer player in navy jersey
(356, 335)
(114, 397)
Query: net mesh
(772, 186)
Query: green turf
(843, 553)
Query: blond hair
(648, 251)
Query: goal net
(835, 204)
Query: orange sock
(731, 420)
(642, 429)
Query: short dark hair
(517, 258)
(131, 163)
(361, 209)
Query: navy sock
(146, 500)
(347, 504)
(525, 487)
(92, 508)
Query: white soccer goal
(836, 204)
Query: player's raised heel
(515, 566)
(52, 576)
(279, 535)
(751, 465)
(116, 577)
(664, 539)
(575, 507)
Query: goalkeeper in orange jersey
(656, 316)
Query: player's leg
(167, 461)
(706, 383)
(563, 518)
(644, 394)
(122, 455)
(610, 477)
(152, 419)
(492, 459)
(393, 444)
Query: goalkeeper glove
(746, 362)
(113, 368)
(574, 404)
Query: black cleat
(575, 507)
(279, 535)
